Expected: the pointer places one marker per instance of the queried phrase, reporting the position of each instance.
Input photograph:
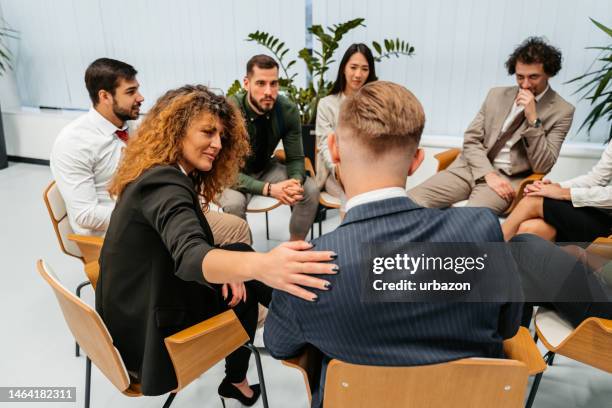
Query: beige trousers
(446, 188)
(228, 228)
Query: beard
(125, 114)
(259, 107)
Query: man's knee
(242, 232)
(489, 199)
(441, 190)
(419, 196)
(311, 191)
(233, 202)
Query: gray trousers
(445, 188)
(304, 212)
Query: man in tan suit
(518, 130)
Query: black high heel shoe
(228, 390)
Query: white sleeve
(73, 170)
(597, 196)
(324, 126)
(593, 189)
(600, 175)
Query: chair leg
(81, 286)
(550, 359)
(267, 228)
(534, 390)
(78, 293)
(169, 400)
(87, 382)
(260, 375)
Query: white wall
(170, 43)
(460, 53)
(461, 47)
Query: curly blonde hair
(158, 140)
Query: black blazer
(151, 283)
(341, 325)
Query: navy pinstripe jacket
(391, 334)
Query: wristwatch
(536, 123)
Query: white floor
(37, 349)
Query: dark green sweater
(290, 127)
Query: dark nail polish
(333, 256)
(336, 269)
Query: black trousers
(553, 278)
(237, 363)
(576, 224)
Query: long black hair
(363, 49)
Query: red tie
(123, 135)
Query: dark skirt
(576, 224)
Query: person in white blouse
(87, 153)
(576, 210)
(356, 69)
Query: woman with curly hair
(159, 269)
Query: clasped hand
(287, 192)
(546, 188)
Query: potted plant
(5, 63)
(597, 85)
(317, 65)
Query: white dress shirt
(375, 195)
(502, 161)
(593, 189)
(83, 160)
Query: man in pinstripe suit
(376, 148)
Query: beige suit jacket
(537, 149)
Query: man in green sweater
(271, 117)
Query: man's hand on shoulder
(500, 185)
(287, 192)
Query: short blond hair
(383, 115)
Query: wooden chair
(590, 342)
(471, 382)
(326, 202)
(448, 156)
(602, 246)
(192, 351)
(85, 248)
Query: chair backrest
(59, 218)
(474, 382)
(88, 330)
(590, 343)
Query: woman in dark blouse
(159, 269)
